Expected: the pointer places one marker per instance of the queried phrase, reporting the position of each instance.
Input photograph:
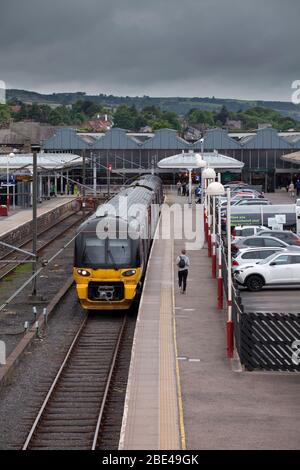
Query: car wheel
(254, 283)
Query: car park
(285, 235)
(279, 269)
(245, 256)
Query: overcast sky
(226, 48)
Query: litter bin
(3, 210)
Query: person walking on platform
(179, 188)
(298, 187)
(182, 263)
(292, 189)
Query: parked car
(237, 197)
(257, 241)
(247, 190)
(245, 202)
(278, 269)
(244, 256)
(252, 202)
(285, 235)
(244, 231)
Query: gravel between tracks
(49, 282)
(19, 401)
(21, 398)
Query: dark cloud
(168, 47)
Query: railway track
(45, 237)
(72, 413)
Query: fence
(265, 341)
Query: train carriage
(113, 245)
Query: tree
(88, 108)
(199, 116)
(160, 124)
(125, 117)
(151, 113)
(172, 118)
(4, 113)
(223, 115)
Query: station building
(131, 153)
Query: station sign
(24, 178)
(245, 219)
(269, 219)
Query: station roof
(190, 160)
(45, 161)
(187, 160)
(67, 139)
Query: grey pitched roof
(65, 139)
(116, 139)
(217, 139)
(266, 139)
(166, 139)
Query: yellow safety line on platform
(169, 437)
(179, 392)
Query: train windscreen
(108, 253)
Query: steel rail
(108, 384)
(42, 232)
(18, 262)
(56, 379)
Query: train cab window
(120, 251)
(94, 251)
(108, 253)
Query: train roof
(129, 202)
(148, 181)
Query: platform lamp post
(34, 150)
(214, 190)
(229, 281)
(109, 170)
(220, 276)
(10, 155)
(209, 175)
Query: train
(112, 246)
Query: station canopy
(292, 158)
(192, 160)
(23, 163)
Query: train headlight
(128, 273)
(83, 272)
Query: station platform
(20, 217)
(183, 392)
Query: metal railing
(237, 307)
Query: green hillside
(180, 105)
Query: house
(265, 125)
(234, 124)
(99, 125)
(146, 129)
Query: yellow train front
(112, 247)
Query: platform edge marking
(178, 378)
(122, 444)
